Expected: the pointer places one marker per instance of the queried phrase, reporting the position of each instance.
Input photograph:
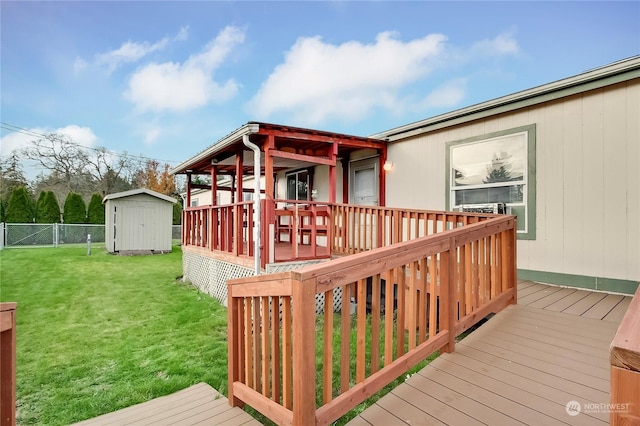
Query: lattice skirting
(210, 276)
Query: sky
(166, 79)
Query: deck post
(8, 363)
(304, 352)
(233, 373)
(448, 302)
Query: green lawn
(102, 332)
(98, 333)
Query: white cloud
(134, 51)
(79, 65)
(447, 95)
(502, 44)
(188, 85)
(183, 34)
(81, 135)
(151, 135)
(319, 80)
(16, 141)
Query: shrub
(177, 213)
(95, 211)
(20, 208)
(75, 210)
(47, 208)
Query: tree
(111, 171)
(39, 203)
(75, 210)
(64, 158)
(160, 181)
(177, 213)
(500, 169)
(11, 175)
(20, 208)
(47, 210)
(95, 211)
(3, 209)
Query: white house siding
(587, 174)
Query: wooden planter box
(625, 368)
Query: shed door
(130, 224)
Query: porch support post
(332, 173)
(188, 200)
(268, 243)
(239, 176)
(214, 185)
(345, 181)
(383, 178)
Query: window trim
(530, 179)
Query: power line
(18, 129)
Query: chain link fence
(55, 234)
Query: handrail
(8, 363)
(412, 299)
(625, 367)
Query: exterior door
(365, 192)
(364, 182)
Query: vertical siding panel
(572, 178)
(537, 248)
(554, 186)
(615, 182)
(632, 136)
(592, 185)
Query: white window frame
(503, 141)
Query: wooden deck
(523, 366)
(196, 405)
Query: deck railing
(227, 229)
(382, 311)
(320, 228)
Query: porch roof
(291, 147)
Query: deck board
(197, 404)
(521, 367)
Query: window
(194, 202)
(495, 168)
(298, 185)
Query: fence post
(2, 233)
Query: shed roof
(138, 192)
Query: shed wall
(138, 223)
(588, 180)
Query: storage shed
(138, 221)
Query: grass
(99, 333)
(102, 332)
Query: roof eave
(223, 143)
